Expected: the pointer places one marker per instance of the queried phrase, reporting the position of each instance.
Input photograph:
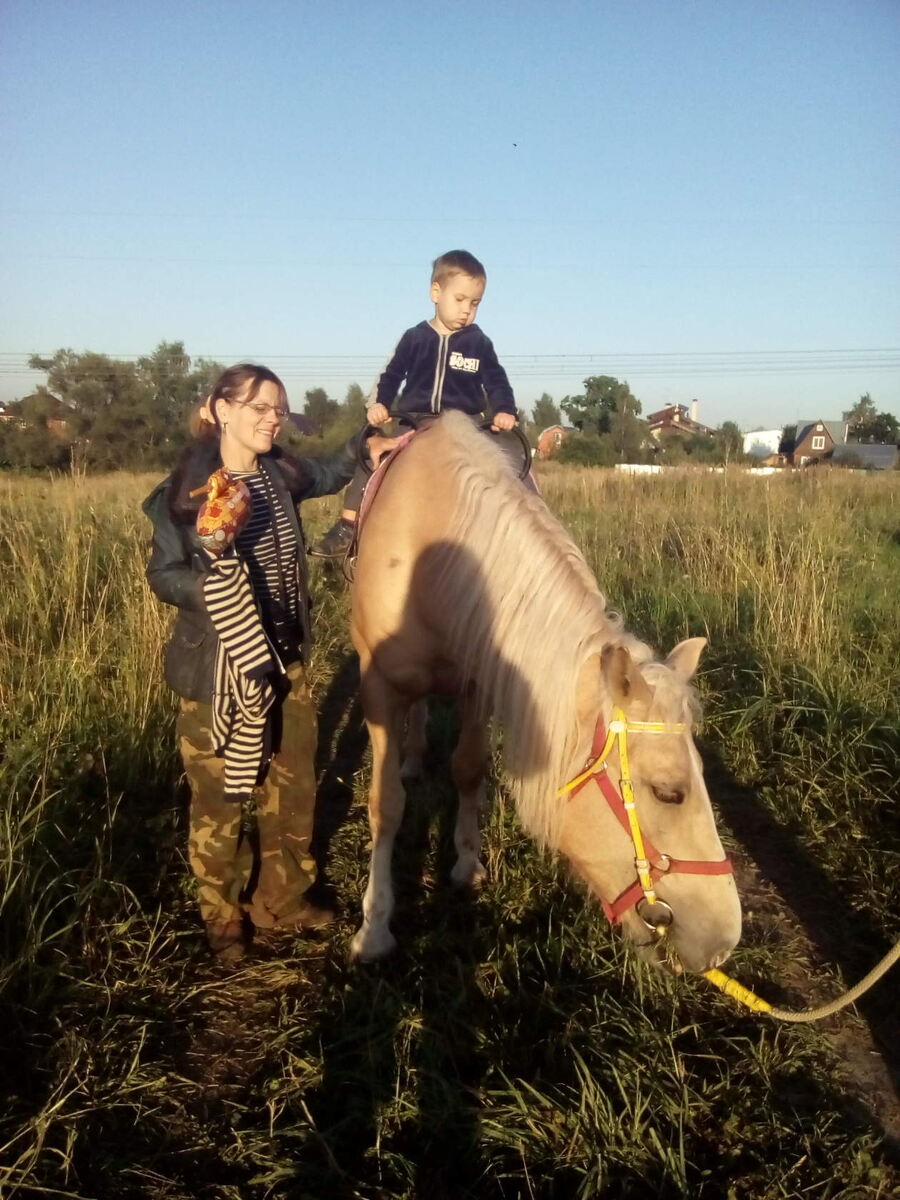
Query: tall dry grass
(794, 581)
(514, 1049)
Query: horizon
(694, 406)
(700, 201)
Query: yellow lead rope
(738, 992)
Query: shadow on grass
(398, 1099)
(98, 857)
(340, 751)
(851, 940)
(411, 1055)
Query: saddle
(419, 423)
(376, 479)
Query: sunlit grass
(513, 1047)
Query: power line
(316, 217)
(542, 359)
(307, 368)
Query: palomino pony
(466, 584)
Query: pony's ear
(624, 680)
(684, 658)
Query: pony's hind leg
(416, 743)
(469, 765)
(385, 712)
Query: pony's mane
(523, 614)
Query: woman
(265, 873)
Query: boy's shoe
(336, 542)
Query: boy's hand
(503, 421)
(377, 415)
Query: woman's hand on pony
(378, 446)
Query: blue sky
(702, 198)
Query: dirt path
(790, 901)
(857, 1034)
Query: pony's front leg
(385, 714)
(469, 766)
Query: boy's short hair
(455, 262)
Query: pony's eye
(669, 795)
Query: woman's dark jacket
(178, 563)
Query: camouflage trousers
(257, 860)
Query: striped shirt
(243, 692)
(268, 545)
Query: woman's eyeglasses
(260, 409)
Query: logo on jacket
(459, 363)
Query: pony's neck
(524, 615)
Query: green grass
(513, 1047)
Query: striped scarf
(242, 691)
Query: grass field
(513, 1047)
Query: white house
(762, 442)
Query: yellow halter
(619, 728)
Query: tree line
(100, 413)
(870, 427)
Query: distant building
(865, 457)
(815, 441)
(58, 426)
(677, 420)
(13, 419)
(550, 439)
(762, 443)
(44, 408)
(302, 423)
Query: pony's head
(686, 914)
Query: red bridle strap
(660, 864)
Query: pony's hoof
(469, 875)
(369, 946)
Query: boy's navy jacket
(456, 370)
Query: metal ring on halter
(657, 916)
(517, 432)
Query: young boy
(446, 363)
